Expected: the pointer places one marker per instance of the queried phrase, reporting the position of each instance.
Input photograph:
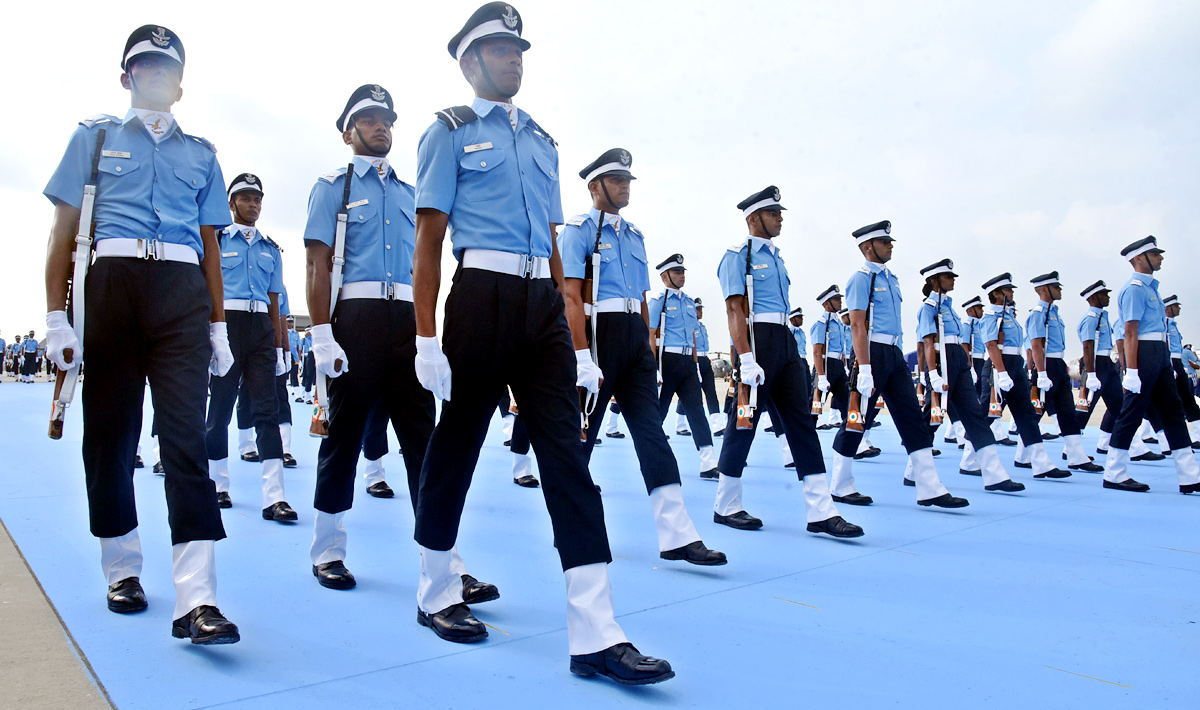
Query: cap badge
(510, 17)
(160, 38)
(251, 179)
(777, 194)
(377, 93)
(625, 159)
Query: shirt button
(389, 246)
(118, 168)
(483, 163)
(387, 221)
(389, 273)
(193, 182)
(360, 216)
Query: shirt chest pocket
(477, 181)
(232, 260)
(266, 262)
(117, 166)
(191, 177)
(361, 214)
(637, 250)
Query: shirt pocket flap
(546, 164)
(266, 260)
(231, 259)
(117, 166)
(362, 213)
(191, 177)
(482, 160)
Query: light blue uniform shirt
(305, 346)
(801, 341)
(294, 344)
(927, 325)
(1174, 337)
(144, 191)
(1139, 301)
(29, 345)
(1050, 327)
(249, 269)
(499, 188)
(886, 300)
(1190, 358)
(837, 342)
(991, 324)
(974, 335)
(3, 346)
(701, 339)
(771, 280)
(623, 270)
(381, 224)
(1087, 328)
(680, 312)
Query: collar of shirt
(158, 124)
(1095, 311)
(365, 163)
(516, 117)
(760, 243)
(612, 220)
(995, 308)
(1043, 306)
(877, 268)
(246, 231)
(1146, 279)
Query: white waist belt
(381, 290)
(1058, 355)
(506, 262)
(952, 340)
(885, 339)
(245, 304)
(776, 318)
(679, 350)
(1104, 353)
(701, 353)
(1010, 350)
(978, 357)
(1155, 337)
(1176, 357)
(147, 249)
(613, 305)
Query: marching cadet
(973, 307)
(1048, 336)
(1151, 423)
(766, 357)
(613, 430)
(489, 172)
(873, 298)
(308, 367)
(374, 448)
(283, 398)
(673, 315)
(252, 271)
(153, 310)
(1175, 341)
(1148, 375)
(828, 335)
(620, 339)
(708, 385)
(372, 329)
(1006, 368)
(29, 363)
(1101, 376)
(951, 374)
(293, 347)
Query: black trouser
(629, 375)
(777, 425)
(679, 375)
(1017, 399)
(379, 338)
(1062, 397)
(519, 443)
(375, 438)
(964, 402)
(308, 375)
(1183, 384)
(893, 382)
(708, 387)
(283, 413)
(978, 363)
(29, 365)
(839, 384)
(245, 404)
(147, 320)
(1110, 391)
(1159, 389)
(502, 329)
(785, 387)
(252, 341)
(293, 374)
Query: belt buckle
(150, 249)
(525, 267)
(629, 302)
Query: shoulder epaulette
(270, 241)
(99, 118)
(456, 117)
(577, 220)
(332, 175)
(738, 246)
(203, 141)
(1135, 282)
(632, 227)
(543, 133)
(865, 270)
(932, 301)
(1036, 309)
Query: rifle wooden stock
(1035, 398)
(995, 408)
(745, 406)
(935, 412)
(817, 403)
(58, 409)
(319, 427)
(854, 417)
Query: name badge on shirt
(360, 203)
(115, 153)
(880, 288)
(477, 146)
(230, 253)
(760, 266)
(672, 308)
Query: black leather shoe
(719, 432)
(909, 483)
(1006, 487)
(454, 623)
(837, 527)
(1195, 445)
(936, 452)
(1127, 485)
(823, 427)
(1090, 458)
(769, 429)
(380, 489)
(334, 575)
(300, 400)
(1006, 441)
(965, 472)
(1050, 437)
(854, 498)
(614, 435)
(1148, 456)
(1088, 467)
(127, 596)
(507, 442)
(949, 440)
(711, 474)
(696, 553)
(945, 500)
(1190, 488)
(526, 481)
(289, 461)
(280, 512)
(1151, 440)
(159, 470)
(223, 500)
(206, 626)
(790, 465)
(688, 432)
(1023, 464)
(251, 456)
(476, 592)
(137, 462)
(599, 441)
(740, 520)
(1053, 473)
(1102, 452)
(624, 664)
(870, 453)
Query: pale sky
(1022, 137)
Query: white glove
(329, 356)
(936, 381)
(222, 356)
(1043, 381)
(823, 383)
(1093, 382)
(1132, 382)
(974, 376)
(587, 373)
(751, 373)
(1004, 381)
(866, 381)
(60, 338)
(433, 369)
(280, 365)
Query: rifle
(818, 403)
(660, 334)
(854, 417)
(320, 420)
(1035, 394)
(1084, 403)
(65, 380)
(996, 406)
(748, 394)
(935, 415)
(591, 294)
